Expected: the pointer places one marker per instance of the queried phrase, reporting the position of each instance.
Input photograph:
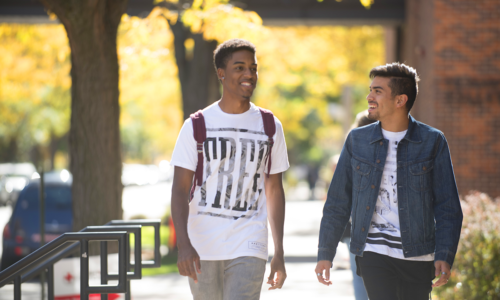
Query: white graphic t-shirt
(384, 236)
(228, 213)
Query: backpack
(200, 135)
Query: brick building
(455, 47)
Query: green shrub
(476, 270)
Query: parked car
(21, 234)
(13, 178)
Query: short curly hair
(403, 80)
(225, 51)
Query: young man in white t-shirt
(222, 232)
(395, 179)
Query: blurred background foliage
(34, 90)
(302, 71)
(475, 272)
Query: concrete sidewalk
(301, 283)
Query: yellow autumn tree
(34, 90)
(150, 99)
(302, 70)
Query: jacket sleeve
(337, 209)
(447, 209)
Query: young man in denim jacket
(395, 178)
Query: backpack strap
(270, 130)
(200, 135)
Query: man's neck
(395, 123)
(234, 106)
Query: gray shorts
(240, 278)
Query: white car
(13, 178)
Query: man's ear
(401, 100)
(220, 74)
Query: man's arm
(336, 213)
(188, 258)
(276, 213)
(447, 208)
(447, 212)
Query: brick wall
(466, 76)
(455, 47)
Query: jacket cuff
(446, 256)
(325, 254)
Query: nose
(369, 96)
(248, 73)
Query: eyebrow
(240, 62)
(376, 87)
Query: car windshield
(56, 198)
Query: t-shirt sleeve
(279, 157)
(185, 152)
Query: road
(300, 244)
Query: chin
(373, 117)
(247, 96)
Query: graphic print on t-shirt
(384, 235)
(245, 200)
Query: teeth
(246, 84)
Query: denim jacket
(430, 214)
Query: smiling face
(381, 103)
(239, 78)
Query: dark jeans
(388, 278)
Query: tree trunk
(199, 82)
(9, 149)
(94, 136)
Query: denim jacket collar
(412, 135)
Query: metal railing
(44, 258)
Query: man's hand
(187, 260)
(323, 265)
(442, 271)
(278, 268)
(276, 214)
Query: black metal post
(50, 282)
(42, 225)
(104, 267)
(84, 269)
(127, 257)
(17, 288)
(127, 293)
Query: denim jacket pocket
(420, 176)
(361, 174)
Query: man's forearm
(276, 210)
(180, 204)
(180, 213)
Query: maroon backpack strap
(270, 130)
(200, 135)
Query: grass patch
(148, 236)
(168, 262)
(168, 265)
